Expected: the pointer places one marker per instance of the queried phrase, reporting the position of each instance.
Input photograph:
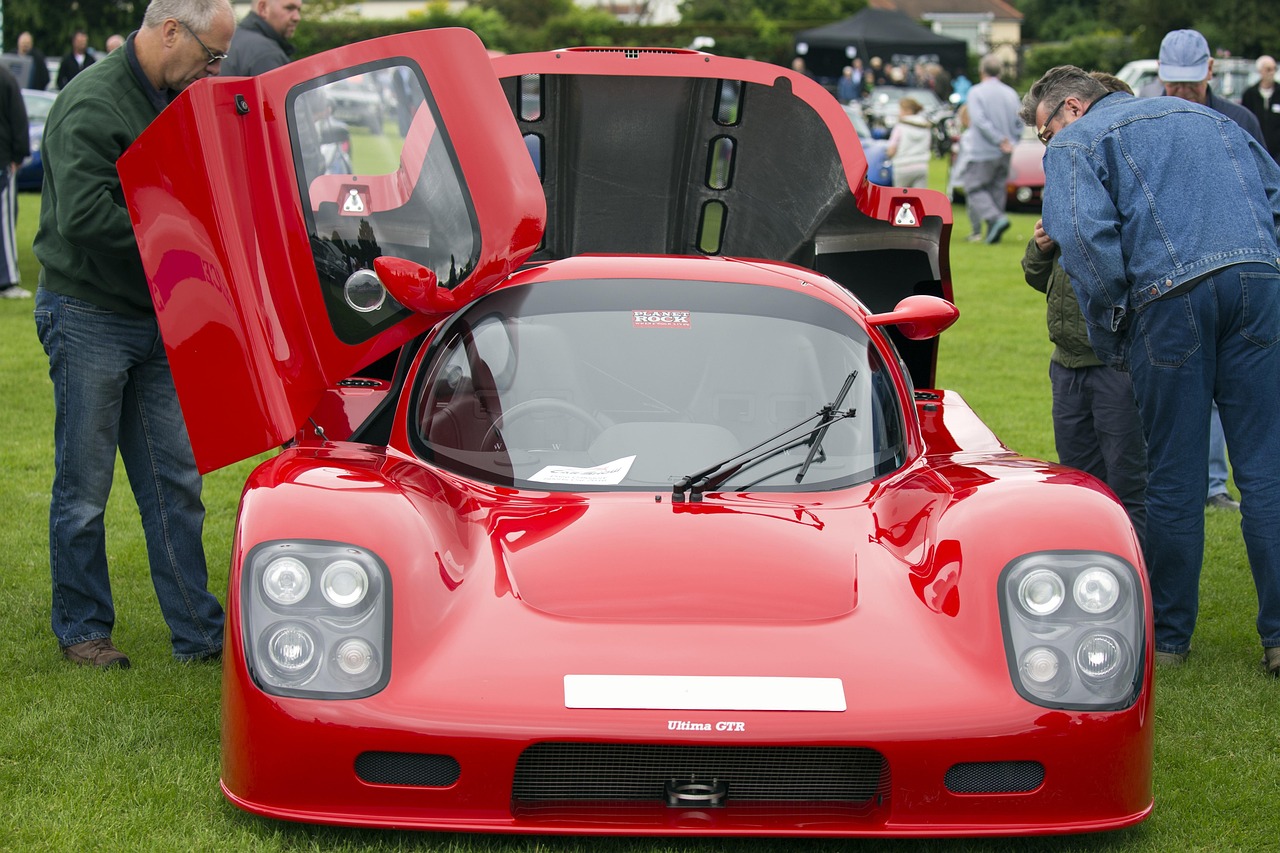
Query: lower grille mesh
(407, 768)
(638, 772)
(994, 777)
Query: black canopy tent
(890, 35)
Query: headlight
(1096, 590)
(316, 619)
(1074, 628)
(286, 580)
(1041, 592)
(344, 583)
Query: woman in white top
(910, 145)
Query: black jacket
(15, 139)
(1268, 113)
(256, 48)
(39, 76)
(70, 68)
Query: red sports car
(612, 499)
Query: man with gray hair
(111, 381)
(988, 150)
(1167, 214)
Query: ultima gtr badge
(690, 726)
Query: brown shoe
(99, 653)
(1271, 660)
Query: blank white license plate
(704, 692)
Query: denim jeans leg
(162, 471)
(1217, 456)
(1248, 369)
(1124, 447)
(1172, 363)
(88, 374)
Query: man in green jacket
(111, 380)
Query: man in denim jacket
(1167, 215)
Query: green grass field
(128, 760)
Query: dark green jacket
(85, 242)
(1067, 328)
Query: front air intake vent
(995, 777)
(422, 770)
(642, 772)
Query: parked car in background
(1026, 173)
(661, 526)
(881, 106)
(1231, 75)
(879, 167)
(358, 101)
(31, 172)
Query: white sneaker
(14, 291)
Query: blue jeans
(1215, 341)
(113, 389)
(1217, 456)
(1096, 428)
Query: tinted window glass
(377, 176)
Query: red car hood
(694, 568)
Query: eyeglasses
(1043, 133)
(213, 57)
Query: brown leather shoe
(1271, 660)
(99, 653)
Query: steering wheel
(544, 406)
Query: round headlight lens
(286, 580)
(1096, 590)
(1099, 656)
(344, 583)
(1040, 665)
(354, 656)
(1041, 592)
(292, 649)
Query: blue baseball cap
(1184, 57)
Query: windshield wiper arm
(713, 475)
(829, 418)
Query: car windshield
(635, 384)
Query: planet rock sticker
(660, 319)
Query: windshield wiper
(713, 475)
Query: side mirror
(414, 286)
(918, 317)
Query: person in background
(988, 144)
(262, 39)
(38, 76)
(112, 388)
(910, 144)
(847, 87)
(77, 60)
(1260, 99)
(15, 144)
(1166, 215)
(1096, 427)
(114, 41)
(1185, 69)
